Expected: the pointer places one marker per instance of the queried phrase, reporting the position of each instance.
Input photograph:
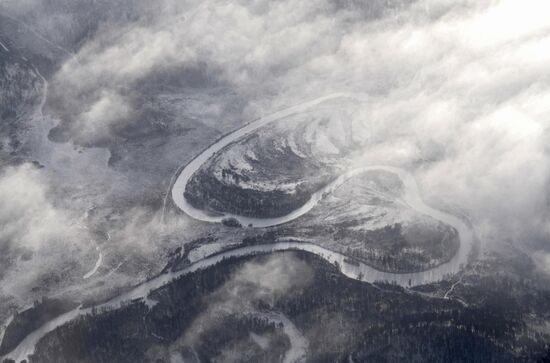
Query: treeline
(388, 324)
(204, 191)
(25, 322)
(341, 318)
(128, 334)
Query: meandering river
(411, 197)
(355, 270)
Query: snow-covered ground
(96, 266)
(192, 167)
(411, 197)
(206, 250)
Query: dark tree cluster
(205, 191)
(342, 319)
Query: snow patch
(262, 342)
(4, 46)
(96, 266)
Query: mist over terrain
(103, 102)
(458, 86)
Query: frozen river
(358, 271)
(411, 197)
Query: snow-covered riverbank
(356, 270)
(411, 196)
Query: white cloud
(460, 86)
(108, 111)
(39, 240)
(256, 281)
